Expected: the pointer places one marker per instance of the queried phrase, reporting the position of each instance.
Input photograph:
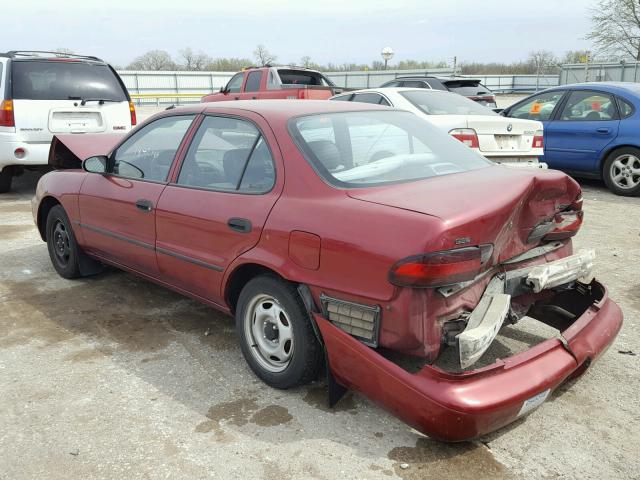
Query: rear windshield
(303, 77)
(468, 88)
(433, 103)
(361, 149)
(63, 80)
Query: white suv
(46, 93)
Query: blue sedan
(590, 130)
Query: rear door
(118, 209)
(217, 203)
(67, 96)
(579, 133)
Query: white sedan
(509, 141)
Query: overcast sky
(335, 31)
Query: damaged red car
(343, 238)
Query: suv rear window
(303, 77)
(64, 80)
(468, 88)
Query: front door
(117, 209)
(218, 202)
(577, 137)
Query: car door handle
(241, 225)
(237, 98)
(254, 98)
(144, 205)
(603, 130)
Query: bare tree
(153, 60)
(306, 62)
(615, 27)
(228, 64)
(194, 61)
(263, 56)
(575, 56)
(542, 60)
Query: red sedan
(337, 233)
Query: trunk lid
(498, 134)
(496, 205)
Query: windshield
(433, 103)
(61, 80)
(358, 149)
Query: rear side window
(414, 84)
(467, 88)
(228, 155)
(253, 82)
(626, 109)
(58, 80)
(342, 98)
(392, 84)
(370, 98)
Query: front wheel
(621, 172)
(61, 243)
(276, 335)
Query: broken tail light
(442, 268)
(468, 136)
(538, 140)
(565, 225)
(6, 114)
(132, 111)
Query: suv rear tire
(6, 176)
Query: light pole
(387, 54)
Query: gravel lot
(114, 377)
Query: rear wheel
(6, 176)
(61, 243)
(621, 171)
(276, 336)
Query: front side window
(436, 103)
(228, 155)
(149, 152)
(58, 80)
(539, 107)
(253, 82)
(235, 84)
(589, 106)
(360, 149)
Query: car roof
(279, 108)
(421, 77)
(383, 90)
(611, 87)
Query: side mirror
(96, 164)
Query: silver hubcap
(268, 330)
(625, 171)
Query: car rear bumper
(35, 154)
(462, 406)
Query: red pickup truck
(276, 82)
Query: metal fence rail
(600, 72)
(180, 87)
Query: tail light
(538, 140)
(302, 94)
(132, 111)
(6, 114)
(440, 268)
(467, 136)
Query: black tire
(305, 356)
(621, 171)
(61, 243)
(6, 176)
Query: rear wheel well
(46, 204)
(240, 277)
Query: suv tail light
(440, 268)
(467, 136)
(538, 140)
(6, 114)
(132, 110)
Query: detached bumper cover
(456, 407)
